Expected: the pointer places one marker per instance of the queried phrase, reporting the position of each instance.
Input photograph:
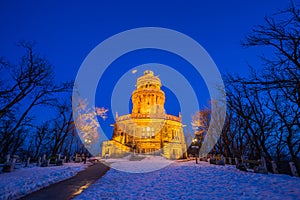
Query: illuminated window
(143, 132)
(152, 132)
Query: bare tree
(85, 118)
(265, 106)
(61, 128)
(281, 77)
(41, 138)
(208, 126)
(28, 84)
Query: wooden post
(236, 160)
(274, 167)
(263, 162)
(293, 169)
(44, 157)
(27, 162)
(65, 159)
(13, 163)
(7, 158)
(223, 159)
(39, 161)
(230, 160)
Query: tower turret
(148, 98)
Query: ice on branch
(86, 121)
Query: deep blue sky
(66, 31)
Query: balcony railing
(148, 116)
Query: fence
(261, 166)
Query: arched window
(152, 132)
(143, 132)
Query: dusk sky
(65, 32)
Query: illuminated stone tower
(148, 98)
(148, 129)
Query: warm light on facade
(148, 129)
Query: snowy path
(23, 181)
(190, 181)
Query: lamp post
(87, 142)
(195, 146)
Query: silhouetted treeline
(29, 85)
(263, 109)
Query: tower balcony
(148, 116)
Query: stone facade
(148, 129)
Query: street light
(195, 146)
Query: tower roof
(148, 79)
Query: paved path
(71, 187)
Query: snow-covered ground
(26, 180)
(187, 180)
(148, 164)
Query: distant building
(148, 129)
